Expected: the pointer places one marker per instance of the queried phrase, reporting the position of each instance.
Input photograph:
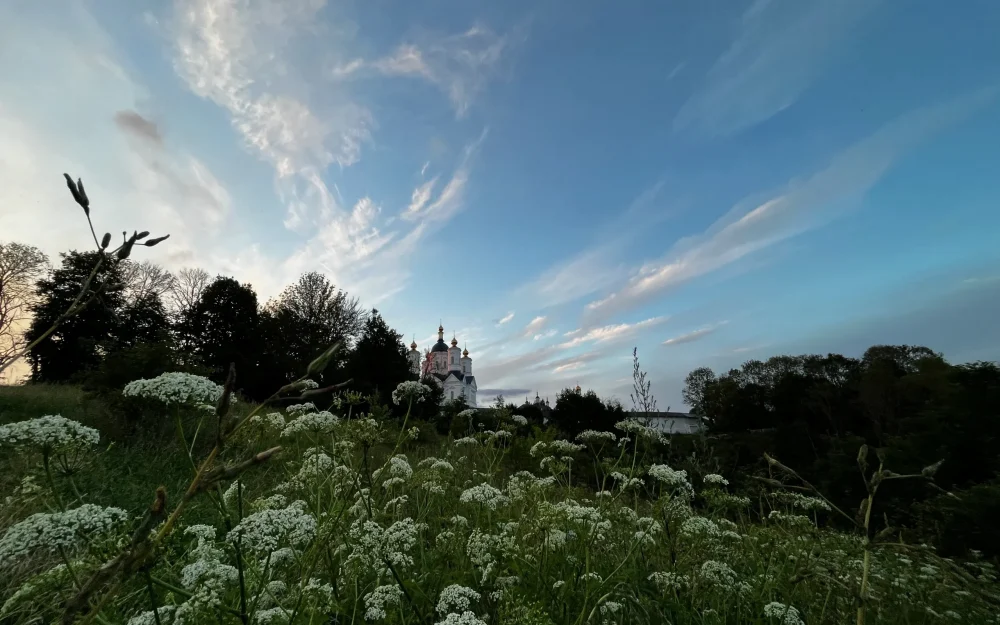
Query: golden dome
(578, 389)
(441, 328)
(413, 346)
(465, 352)
(454, 342)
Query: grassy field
(361, 520)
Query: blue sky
(557, 182)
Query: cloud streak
(803, 205)
(780, 50)
(694, 335)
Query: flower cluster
(48, 433)
(675, 480)
(263, 532)
(376, 600)
(175, 388)
(785, 614)
(300, 409)
(484, 494)
(595, 437)
(410, 392)
(312, 422)
(58, 531)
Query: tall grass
(358, 521)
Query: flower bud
(142, 235)
(319, 364)
(106, 241)
(152, 242)
(79, 195)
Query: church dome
(465, 352)
(440, 346)
(413, 346)
(454, 342)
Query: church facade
(447, 365)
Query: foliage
(576, 411)
(359, 522)
(813, 411)
(20, 267)
(78, 342)
(223, 327)
(305, 319)
(378, 363)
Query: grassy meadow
(359, 518)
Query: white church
(450, 367)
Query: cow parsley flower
(641, 430)
(272, 421)
(276, 614)
(263, 532)
(398, 467)
(51, 532)
(457, 597)
(410, 391)
(466, 440)
(675, 480)
(561, 446)
(300, 409)
(518, 419)
(715, 478)
(802, 502)
(465, 618)
(164, 612)
(48, 434)
(667, 581)
(595, 437)
(442, 465)
(175, 388)
(487, 495)
(786, 614)
(375, 545)
(313, 422)
(376, 600)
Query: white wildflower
(442, 465)
(561, 446)
(374, 545)
(272, 421)
(466, 440)
(263, 532)
(52, 532)
(700, 526)
(276, 614)
(786, 614)
(376, 600)
(410, 392)
(313, 422)
(48, 434)
(300, 409)
(456, 596)
(667, 581)
(165, 613)
(518, 419)
(176, 388)
(487, 495)
(595, 437)
(676, 480)
(715, 478)
(465, 618)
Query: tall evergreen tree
(80, 341)
(378, 362)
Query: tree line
(146, 320)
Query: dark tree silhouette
(378, 362)
(80, 341)
(224, 327)
(577, 411)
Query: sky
(556, 182)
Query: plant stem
(152, 598)
(52, 482)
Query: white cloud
(694, 335)
(544, 335)
(459, 65)
(506, 318)
(613, 332)
(780, 49)
(571, 366)
(421, 195)
(803, 205)
(534, 326)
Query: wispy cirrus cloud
(459, 65)
(614, 332)
(781, 47)
(506, 318)
(803, 205)
(693, 335)
(534, 326)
